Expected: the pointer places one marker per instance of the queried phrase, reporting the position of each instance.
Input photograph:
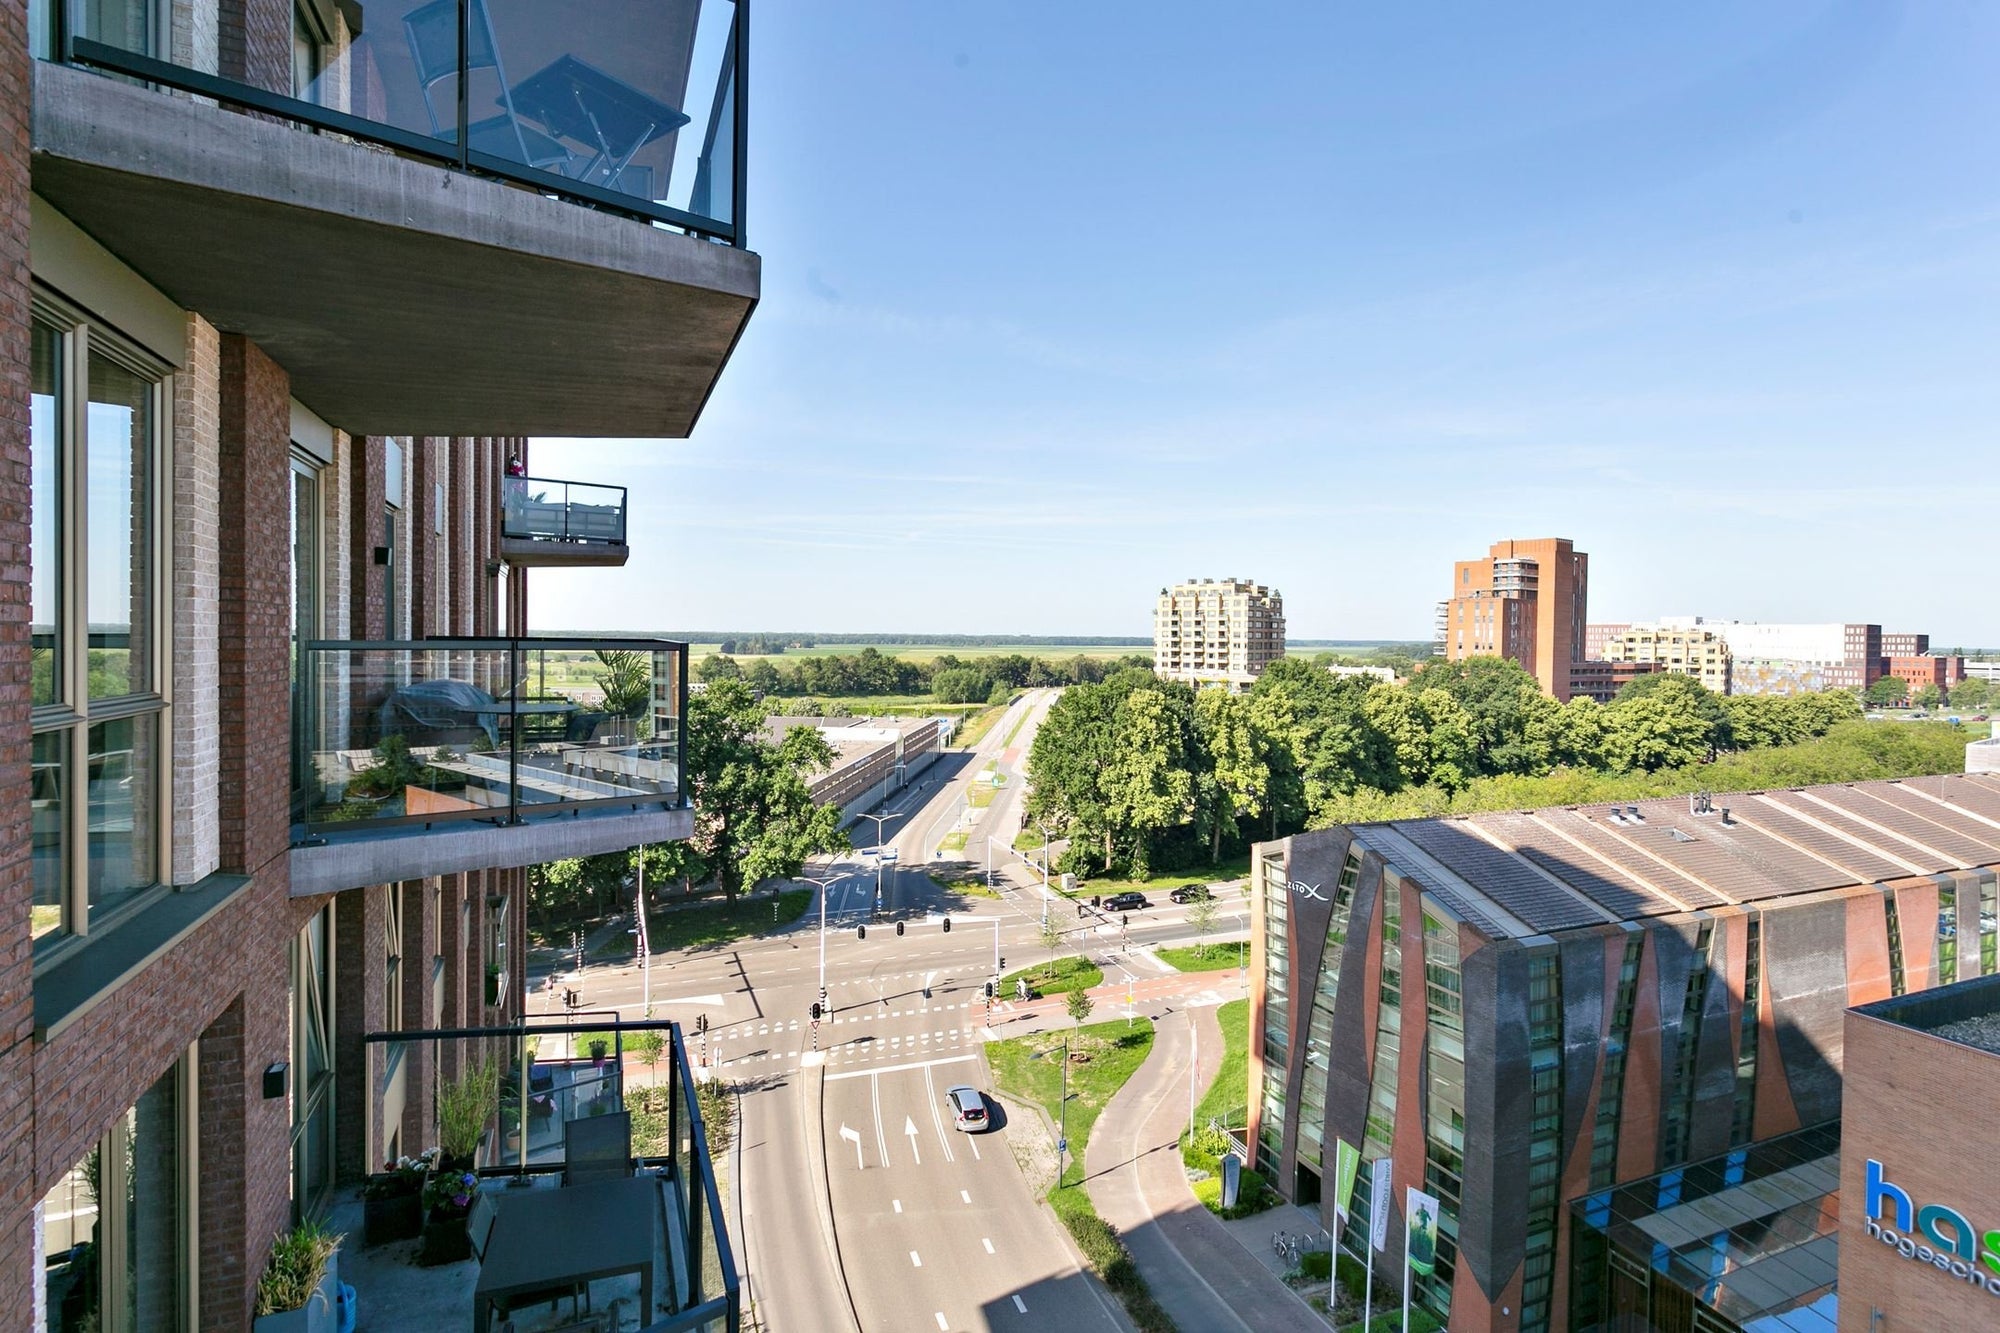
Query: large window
(97, 635)
(115, 1228)
(312, 1064)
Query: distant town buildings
(1217, 632)
(1601, 680)
(1387, 675)
(1681, 650)
(1754, 657)
(1524, 600)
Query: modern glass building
(1525, 1010)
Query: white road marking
(1018, 1305)
(965, 1196)
(942, 1323)
(898, 1203)
(915, 1260)
(910, 1128)
(987, 1243)
(875, 1095)
(937, 1117)
(972, 1142)
(895, 1069)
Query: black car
(1192, 893)
(1125, 902)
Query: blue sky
(1063, 302)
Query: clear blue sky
(1063, 302)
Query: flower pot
(445, 1239)
(320, 1314)
(397, 1217)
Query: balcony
(557, 170)
(597, 1187)
(442, 755)
(561, 523)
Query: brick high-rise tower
(1526, 600)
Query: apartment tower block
(1525, 601)
(1217, 632)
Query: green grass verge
(1070, 974)
(710, 926)
(1218, 958)
(1015, 730)
(953, 841)
(1030, 1069)
(975, 726)
(1235, 867)
(1228, 1097)
(966, 884)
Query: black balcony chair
(433, 34)
(597, 1147)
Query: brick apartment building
(1524, 600)
(1919, 671)
(1217, 632)
(264, 790)
(1533, 1015)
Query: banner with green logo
(1346, 1165)
(1420, 1248)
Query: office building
(1920, 671)
(1217, 632)
(1681, 650)
(1528, 1012)
(1526, 601)
(1796, 658)
(1595, 636)
(281, 302)
(1906, 645)
(1601, 681)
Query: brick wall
(367, 583)
(20, 1269)
(197, 720)
(254, 43)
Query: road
(923, 1227)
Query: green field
(1069, 974)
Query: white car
(968, 1108)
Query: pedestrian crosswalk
(862, 1051)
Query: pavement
(1196, 1266)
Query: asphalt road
(924, 1228)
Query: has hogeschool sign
(1932, 1233)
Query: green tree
(1324, 742)
(755, 818)
(1929, 696)
(721, 666)
(1201, 915)
(1889, 691)
(1237, 778)
(1080, 1005)
(1051, 936)
(1149, 784)
(1972, 692)
(1655, 730)
(1683, 694)
(1500, 697)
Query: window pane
(45, 484)
(70, 1243)
(123, 809)
(119, 555)
(51, 837)
(152, 1221)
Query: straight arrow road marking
(910, 1128)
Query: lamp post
(1045, 870)
(880, 821)
(824, 886)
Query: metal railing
(430, 731)
(540, 1076)
(636, 108)
(543, 509)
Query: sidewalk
(1196, 1268)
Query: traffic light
(1124, 920)
(947, 925)
(815, 1011)
(861, 932)
(899, 927)
(989, 990)
(701, 1022)
(1000, 964)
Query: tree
(754, 814)
(1080, 1006)
(1684, 694)
(1655, 730)
(1325, 744)
(1889, 691)
(1237, 778)
(960, 685)
(721, 666)
(1149, 784)
(1929, 696)
(1201, 915)
(1500, 696)
(1052, 937)
(1972, 692)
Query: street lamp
(880, 821)
(1045, 870)
(823, 887)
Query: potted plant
(447, 1197)
(297, 1292)
(392, 1200)
(464, 1105)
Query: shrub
(297, 1266)
(717, 1108)
(1316, 1265)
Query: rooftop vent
(1679, 836)
(1632, 812)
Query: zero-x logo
(1301, 889)
(1933, 1234)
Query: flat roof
(1535, 872)
(1966, 1012)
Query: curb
(823, 1196)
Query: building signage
(1932, 1234)
(1301, 889)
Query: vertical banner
(1346, 1164)
(1381, 1184)
(1421, 1217)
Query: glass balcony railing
(607, 1107)
(538, 509)
(630, 104)
(439, 730)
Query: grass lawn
(953, 841)
(1221, 958)
(1030, 1068)
(1228, 1098)
(981, 794)
(965, 883)
(1070, 974)
(710, 926)
(1015, 730)
(1237, 867)
(883, 705)
(973, 729)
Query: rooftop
(1967, 1012)
(1536, 871)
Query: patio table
(544, 1238)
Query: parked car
(968, 1108)
(1192, 893)
(1125, 902)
